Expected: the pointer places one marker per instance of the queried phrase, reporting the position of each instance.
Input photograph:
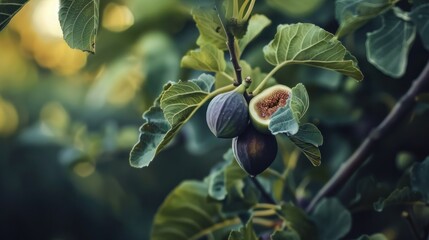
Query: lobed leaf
(206, 58)
(420, 17)
(8, 9)
(387, 47)
(305, 43)
(352, 14)
(79, 22)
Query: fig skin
(254, 151)
(227, 115)
(267, 95)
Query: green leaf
(305, 43)
(420, 178)
(216, 181)
(420, 17)
(310, 151)
(387, 48)
(299, 101)
(181, 100)
(210, 27)
(186, 214)
(244, 233)
(352, 14)
(8, 9)
(309, 133)
(257, 23)
(377, 236)
(398, 196)
(296, 219)
(332, 218)
(206, 58)
(285, 235)
(296, 8)
(283, 121)
(158, 130)
(79, 22)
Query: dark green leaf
(244, 233)
(186, 214)
(285, 235)
(210, 27)
(310, 151)
(296, 8)
(387, 48)
(333, 220)
(352, 14)
(309, 133)
(217, 189)
(79, 22)
(420, 178)
(296, 219)
(257, 23)
(8, 9)
(283, 121)
(206, 58)
(420, 17)
(398, 196)
(377, 236)
(305, 43)
(299, 101)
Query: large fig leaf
(420, 17)
(79, 22)
(186, 214)
(352, 14)
(332, 219)
(210, 27)
(257, 23)
(296, 219)
(206, 58)
(162, 122)
(305, 43)
(8, 9)
(387, 47)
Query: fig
(227, 115)
(265, 104)
(254, 151)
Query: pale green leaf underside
(296, 8)
(211, 31)
(187, 215)
(387, 47)
(420, 16)
(305, 43)
(207, 58)
(352, 14)
(310, 151)
(299, 101)
(79, 21)
(8, 9)
(257, 23)
(283, 121)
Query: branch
(348, 168)
(264, 193)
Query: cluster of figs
(246, 120)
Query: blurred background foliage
(68, 119)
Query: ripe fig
(265, 104)
(254, 151)
(227, 114)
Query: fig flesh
(254, 151)
(227, 115)
(265, 104)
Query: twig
(264, 193)
(401, 109)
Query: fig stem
(261, 85)
(264, 193)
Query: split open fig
(265, 104)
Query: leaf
(420, 17)
(182, 99)
(333, 220)
(305, 43)
(157, 131)
(309, 133)
(387, 48)
(206, 58)
(283, 121)
(299, 101)
(257, 23)
(8, 9)
(352, 14)
(186, 214)
(79, 22)
(216, 183)
(210, 27)
(398, 196)
(310, 151)
(377, 236)
(296, 219)
(296, 8)
(420, 178)
(244, 233)
(285, 235)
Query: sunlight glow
(45, 18)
